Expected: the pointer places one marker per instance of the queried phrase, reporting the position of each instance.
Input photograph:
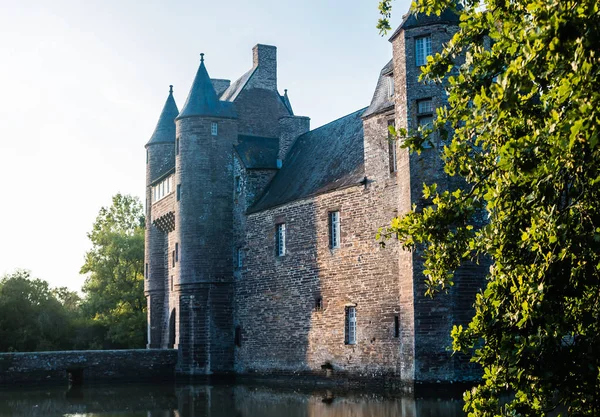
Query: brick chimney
(264, 57)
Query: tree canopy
(114, 287)
(524, 108)
(32, 317)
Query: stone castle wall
(275, 296)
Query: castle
(261, 254)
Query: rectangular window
(425, 116)
(176, 252)
(391, 85)
(146, 156)
(280, 239)
(214, 128)
(422, 49)
(334, 229)
(350, 326)
(396, 326)
(173, 258)
(239, 257)
(177, 146)
(392, 147)
(162, 189)
(172, 279)
(178, 192)
(319, 304)
(146, 275)
(425, 106)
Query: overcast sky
(83, 83)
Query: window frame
(335, 229)
(428, 114)
(280, 248)
(239, 259)
(392, 151)
(214, 129)
(350, 327)
(422, 49)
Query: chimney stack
(264, 57)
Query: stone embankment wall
(87, 366)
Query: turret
(206, 131)
(160, 159)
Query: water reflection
(143, 400)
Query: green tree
(525, 110)
(114, 287)
(31, 317)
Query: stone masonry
(247, 271)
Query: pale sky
(83, 83)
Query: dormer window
(422, 49)
(214, 128)
(390, 80)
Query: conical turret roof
(165, 128)
(203, 99)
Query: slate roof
(381, 97)
(203, 100)
(257, 152)
(165, 128)
(286, 102)
(413, 20)
(236, 88)
(322, 160)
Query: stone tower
(206, 131)
(160, 158)
(428, 320)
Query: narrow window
(238, 336)
(350, 326)
(280, 239)
(391, 85)
(173, 257)
(146, 275)
(334, 229)
(239, 257)
(422, 49)
(146, 156)
(214, 128)
(392, 147)
(425, 116)
(172, 279)
(176, 252)
(177, 146)
(396, 326)
(178, 192)
(319, 304)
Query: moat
(168, 400)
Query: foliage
(32, 318)
(525, 109)
(114, 287)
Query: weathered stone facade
(235, 294)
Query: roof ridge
(333, 121)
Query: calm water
(143, 400)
